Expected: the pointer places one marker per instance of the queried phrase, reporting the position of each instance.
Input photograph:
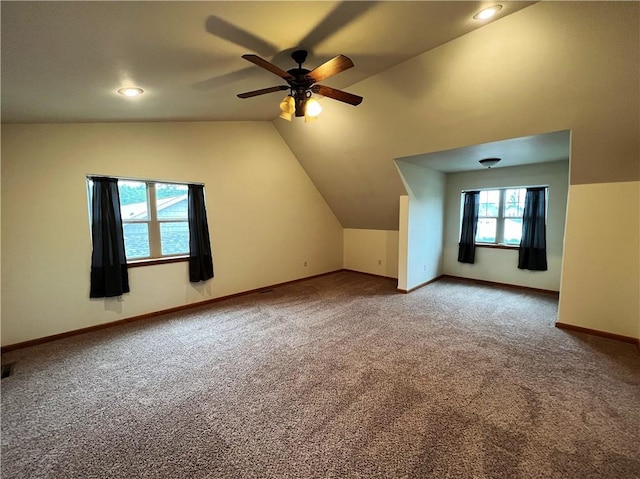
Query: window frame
(153, 223)
(500, 218)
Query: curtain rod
(130, 178)
(505, 188)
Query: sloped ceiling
(64, 61)
(551, 67)
(431, 79)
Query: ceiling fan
(301, 83)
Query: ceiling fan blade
(337, 94)
(230, 32)
(343, 14)
(272, 89)
(330, 68)
(261, 62)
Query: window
(154, 218)
(500, 216)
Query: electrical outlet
(379, 261)
(305, 264)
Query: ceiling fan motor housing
(300, 83)
(299, 56)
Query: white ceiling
(513, 152)
(64, 61)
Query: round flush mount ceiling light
(489, 162)
(131, 91)
(487, 13)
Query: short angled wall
(371, 251)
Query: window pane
(136, 240)
(174, 237)
(171, 201)
(512, 231)
(486, 230)
(90, 197)
(489, 201)
(514, 202)
(133, 200)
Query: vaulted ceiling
(64, 61)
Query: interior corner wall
(371, 251)
(266, 217)
(425, 222)
(500, 265)
(602, 253)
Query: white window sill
(152, 261)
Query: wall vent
(7, 370)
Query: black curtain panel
(467, 245)
(200, 258)
(109, 275)
(533, 245)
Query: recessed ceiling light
(131, 91)
(487, 12)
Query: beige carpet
(333, 377)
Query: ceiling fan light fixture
(130, 91)
(312, 108)
(288, 105)
(302, 83)
(487, 13)
(489, 162)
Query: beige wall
(424, 223)
(266, 217)
(601, 276)
(499, 265)
(403, 244)
(371, 251)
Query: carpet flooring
(337, 376)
